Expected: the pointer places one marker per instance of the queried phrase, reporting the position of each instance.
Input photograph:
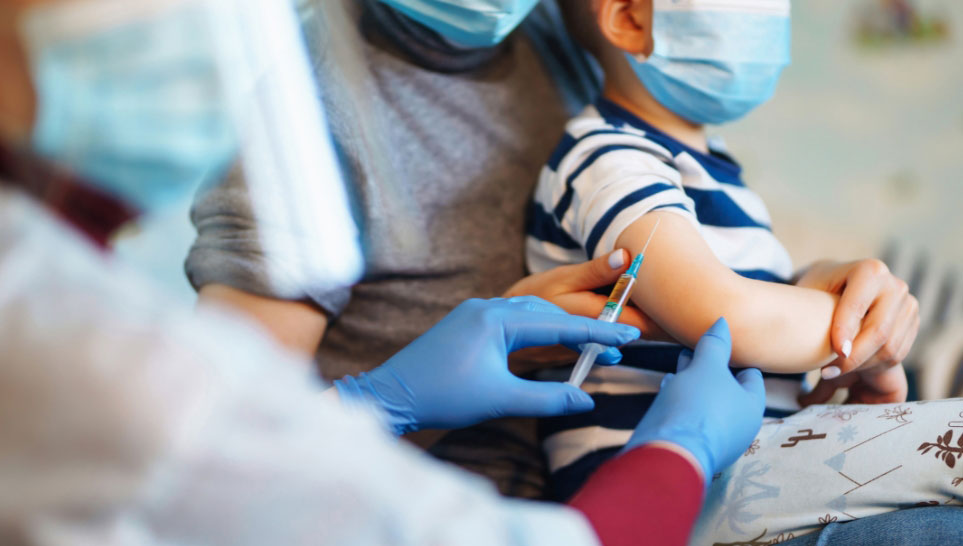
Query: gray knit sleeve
(228, 248)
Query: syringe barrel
(590, 351)
(610, 313)
(617, 299)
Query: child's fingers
(880, 385)
(825, 389)
(821, 393)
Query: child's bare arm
(685, 288)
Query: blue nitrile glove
(456, 374)
(703, 408)
(609, 357)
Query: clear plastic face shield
(160, 100)
(336, 48)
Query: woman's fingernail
(831, 372)
(847, 348)
(616, 259)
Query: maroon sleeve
(649, 494)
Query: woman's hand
(876, 321)
(703, 409)
(571, 288)
(879, 385)
(456, 374)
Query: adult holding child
(128, 418)
(442, 125)
(33, 364)
(460, 114)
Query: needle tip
(651, 234)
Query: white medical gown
(126, 420)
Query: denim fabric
(928, 526)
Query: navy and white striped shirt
(610, 169)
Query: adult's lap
(930, 526)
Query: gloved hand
(703, 408)
(456, 374)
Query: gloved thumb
(609, 357)
(547, 399)
(751, 381)
(685, 358)
(714, 347)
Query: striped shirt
(610, 169)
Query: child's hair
(582, 24)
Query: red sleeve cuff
(649, 495)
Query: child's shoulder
(592, 139)
(592, 122)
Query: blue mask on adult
(467, 23)
(715, 60)
(130, 97)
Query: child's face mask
(468, 23)
(715, 60)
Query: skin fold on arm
(684, 288)
(296, 325)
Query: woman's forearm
(298, 326)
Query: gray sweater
(444, 167)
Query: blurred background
(861, 154)
(863, 143)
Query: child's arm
(684, 288)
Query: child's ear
(627, 24)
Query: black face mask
(420, 44)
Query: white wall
(861, 145)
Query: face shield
(154, 101)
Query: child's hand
(876, 305)
(876, 385)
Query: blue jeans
(929, 526)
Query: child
(639, 156)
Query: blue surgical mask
(715, 60)
(468, 23)
(130, 97)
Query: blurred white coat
(127, 419)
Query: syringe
(610, 313)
